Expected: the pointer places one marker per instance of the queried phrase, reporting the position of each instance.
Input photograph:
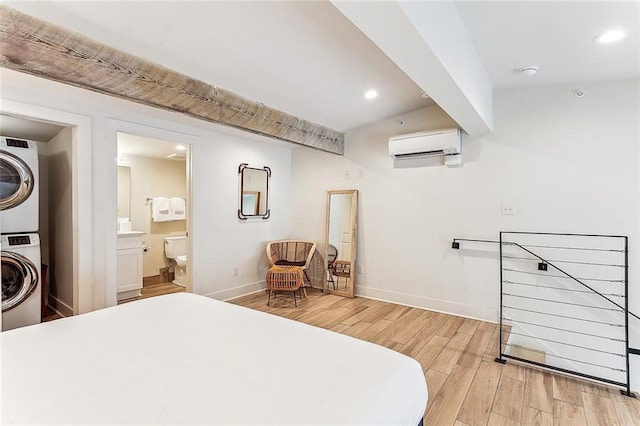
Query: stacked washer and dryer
(19, 223)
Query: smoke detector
(528, 71)
(579, 93)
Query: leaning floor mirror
(340, 241)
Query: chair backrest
(292, 251)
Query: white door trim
(82, 181)
(113, 126)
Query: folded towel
(161, 209)
(178, 208)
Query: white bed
(183, 358)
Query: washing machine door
(16, 180)
(19, 279)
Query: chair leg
(295, 302)
(269, 297)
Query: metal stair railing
(522, 327)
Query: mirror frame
(350, 291)
(241, 215)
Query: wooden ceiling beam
(45, 50)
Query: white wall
(220, 240)
(58, 209)
(43, 225)
(568, 165)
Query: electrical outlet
(360, 269)
(508, 209)
(235, 270)
(347, 174)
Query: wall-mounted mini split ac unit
(443, 142)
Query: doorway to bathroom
(152, 212)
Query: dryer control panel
(19, 240)
(18, 143)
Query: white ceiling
(304, 58)
(28, 129)
(556, 36)
(141, 146)
(307, 59)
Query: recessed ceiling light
(609, 37)
(528, 71)
(181, 147)
(370, 94)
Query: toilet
(175, 248)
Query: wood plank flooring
(466, 386)
(156, 289)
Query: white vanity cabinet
(129, 277)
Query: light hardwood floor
(466, 386)
(156, 289)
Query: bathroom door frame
(113, 127)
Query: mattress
(188, 359)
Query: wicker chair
(284, 278)
(291, 253)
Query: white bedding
(183, 358)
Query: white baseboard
(60, 307)
(411, 300)
(235, 292)
(437, 305)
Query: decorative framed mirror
(254, 192)
(340, 242)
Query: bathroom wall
(154, 177)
